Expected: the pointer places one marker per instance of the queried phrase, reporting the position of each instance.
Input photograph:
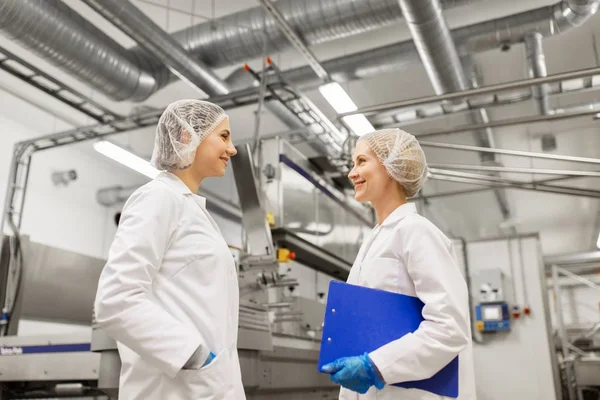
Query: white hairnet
(401, 155)
(181, 128)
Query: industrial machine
(279, 333)
(577, 342)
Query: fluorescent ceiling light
(335, 94)
(337, 97)
(598, 241)
(126, 158)
(359, 124)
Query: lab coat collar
(399, 213)
(174, 182)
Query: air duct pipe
(536, 68)
(155, 41)
(58, 34)
(440, 58)
(434, 44)
(477, 38)
(127, 17)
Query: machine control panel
(492, 317)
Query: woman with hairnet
(407, 254)
(169, 293)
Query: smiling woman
(406, 254)
(168, 293)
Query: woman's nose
(352, 174)
(232, 151)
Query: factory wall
(496, 354)
(66, 217)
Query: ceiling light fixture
(341, 102)
(126, 158)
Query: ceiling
(565, 223)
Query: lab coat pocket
(206, 383)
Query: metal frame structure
(492, 181)
(32, 75)
(473, 93)
(295, 39)
(444, 172)
(301, 106)
(570, 352)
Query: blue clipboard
(365, 319)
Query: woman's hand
(355, 373)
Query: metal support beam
(485, 189)
(573, 258)
(466, 94)
(541, 171)
(490, 182)
(517, 153)
(509, 122)
(494, 179)
(39, 79)
(295, 40)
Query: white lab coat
(407, 254)
(169, 287)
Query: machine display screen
(492, 313)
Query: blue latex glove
(211, 357)
(355, 373)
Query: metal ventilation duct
(536, 66)
(56, 33)
(440, 58)
(53, 31)
(488, 35)
(132, 21)
(434, 44)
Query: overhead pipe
(55, 32)
(127, 17)
(499, 33)
(536, 68)
(440, 58)
(472, 191)
(510, 122)
(491, 182)
(58, 34)
(133, 22)
(472, 93)
(518, 153)
(573, 258)
(516, 170)
(431, 113)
